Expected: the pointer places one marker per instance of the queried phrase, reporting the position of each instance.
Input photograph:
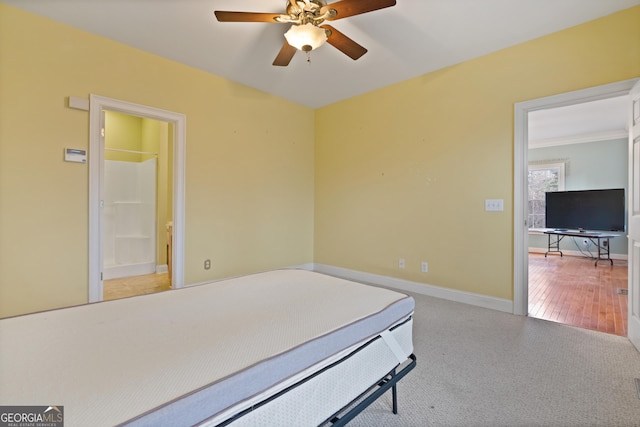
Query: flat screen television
(589, 210)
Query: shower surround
(129, 218)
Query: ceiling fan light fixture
(306, 37)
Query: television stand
(600, 240)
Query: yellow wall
(403, 172)
(123, 132)
(249, 187)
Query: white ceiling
(601, 120)
(404, 41)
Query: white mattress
(181, 353)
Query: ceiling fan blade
(285, 55)
(224, 16)
(346, 8)
(343, 43)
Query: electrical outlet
(207, 264)
(401, 263)
(424, 266)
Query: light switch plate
(494, 205)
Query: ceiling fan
(306, 32)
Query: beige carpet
(479, 367)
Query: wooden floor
(136, 285)
(571, 290)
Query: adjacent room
(205, 222)
(579, 150)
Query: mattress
(316, 395)
(186, 356)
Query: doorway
(136, 212)
(578, 147)
(129, 220)
(521, 145)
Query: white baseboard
(161, 269)
(479, 300)
(127, 270)
(470, 298)
(623, 257)
(308, 266)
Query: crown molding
(579, 139)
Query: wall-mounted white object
(494, 205)
(78, 103)
(75, 155)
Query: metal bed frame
(389, 381)
(360, 403)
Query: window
(542, 178)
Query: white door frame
(633, 219)
(520, 162)
(97, 105)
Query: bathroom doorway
(136, 194)
(137, 205)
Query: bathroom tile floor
(136, 285)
